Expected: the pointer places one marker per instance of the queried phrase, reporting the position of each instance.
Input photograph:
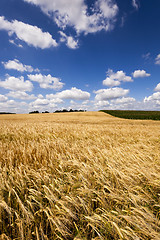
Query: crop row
(128, 114)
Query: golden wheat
(79, 176)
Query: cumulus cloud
(157, 88)
(85, 102)
(110, 82)
(21, 95)
(73, 93)
(77, 106)
(110, 93)
(8, 104)
(16, 84)
(140, 73)
(47, 81)
(133, 105)
(157, 60)
(135, 4)
(32, 35)
(118, 103)
(153, 97)
(3, 98)
(76, 14)
(13, 106)
(43, 104)
(123, 100)
(115, 79)
(17, 65)
(101, 103)
(53, 99)
(70, 42)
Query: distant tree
(45, 112)
(6, 113)
(64, 110)
(33, 112)
(71, 110)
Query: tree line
(60, 111)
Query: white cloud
(110, 82)
(21, 95)
(54, 98)
(114, 79)
(157, 60)
(76, 105)
(101, 103)
(16, 84)
(3, 98)
(72, 102)
(47, 81)
(110, 93)
(135, 4)
(32, 35)
(40, 96)
(157, 88)
(123, 100)
(17, 65)
(14, 43)
(119, 103)
(140, 73)
(73, 93)
(43, 104)
(75, 14)
(133, 105)
(13, 106)
(70, 42)
(107, 7)
(153, 97)
(8, 104)
(85, 102)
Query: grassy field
(150, 115)
(79, 176)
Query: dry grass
(79, 176)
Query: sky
(79, 54)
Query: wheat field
(79, 176)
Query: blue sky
(92, 55)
